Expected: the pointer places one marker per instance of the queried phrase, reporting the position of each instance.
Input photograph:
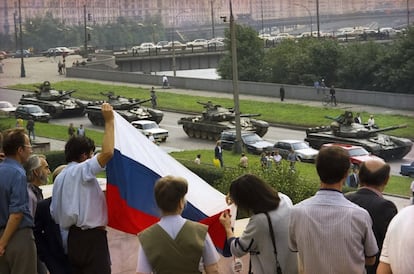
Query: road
(178, 139)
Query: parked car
(148, 127)
(407, 169)
(18, 54)
(161, 44)
(66, 51)
(197, 43)
(52, 52)
(176, 45)
(34, 112)
(303, 152)
(7, 109)
(214, 44)
(252, 142)
(357, 154)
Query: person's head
(332, 164)
(71, 124)
(81, 126)
(16, 144)
(198, 156)
(371, 116)
(79, 149)
(37, 169)
(169, 192)
(218, 143)
(242, 155)
(251, 193)
(57, 171)
(374, 172)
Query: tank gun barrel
(140, 102)
(250, 115)
(65, 93)
(388, 128)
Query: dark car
(18, 54)
(407, 169)
(252, 142)
(34, 112)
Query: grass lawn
(273, 112)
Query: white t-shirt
(397, 250)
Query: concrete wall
(383, 99)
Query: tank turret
(57, 103)
(129, 108)
(216, 118)
(344, 130)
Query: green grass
(273, 112)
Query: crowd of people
(330, 232)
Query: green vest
(180, 255)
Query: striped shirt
(331, 234)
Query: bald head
(374, 172)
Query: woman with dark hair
(266, 234)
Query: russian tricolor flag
(131, 175)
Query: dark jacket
(49, 241)
(381, 212)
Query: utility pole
(317, 18)
(237, 143)
(408, 14)
(212, 19)
(22, 70)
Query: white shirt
(77, 197)
(397, 250)
(277, 158)
(371, 122)
(172, 225)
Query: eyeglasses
(29, 146)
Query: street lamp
(237, 143)
(212, 19)
(172, 42)
(317, 18)
(22, 70)
(408, 14)
(309, 13)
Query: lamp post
(408, 14)
(22, 70)
(310, 16)
(172, 42)
(85, 32)
(237, 143)
(317, 18)
(212, 19)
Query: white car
(148, 127)
(7, 109)
(197, 43)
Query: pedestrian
(333, 97)
(78, 203)
(371, 122)
(244, 161)
(265, 237)
(60, 67)
(292, 158)
(37, 172)
(277, 158)
(153, 98)
(17, 248)
(263, 160)
(19, 122)
(165, 83)
(49, 242)
(80, 131)
(397, 251)
(317, 86)
(323, 86)
(412, 192)
(71, 130)
(1, 66)
(186, 245)
(374, 176)
(282, 93)
(358, 119)
(218, 153)
(30, 126)
(329, 225)
(352, 180)
(197, 160)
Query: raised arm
(108, 142)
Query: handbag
(272, 236)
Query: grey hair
(31, 165)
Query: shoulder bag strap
(272, 236)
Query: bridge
(163, 60)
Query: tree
(249, 55)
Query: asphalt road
(178, 139)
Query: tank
(128, 108)
(57, 103)
(215, 118)
(343, 130)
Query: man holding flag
(78, 203)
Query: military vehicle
(57, 103)
(215, 119)
(343, 130)
(128, 108)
